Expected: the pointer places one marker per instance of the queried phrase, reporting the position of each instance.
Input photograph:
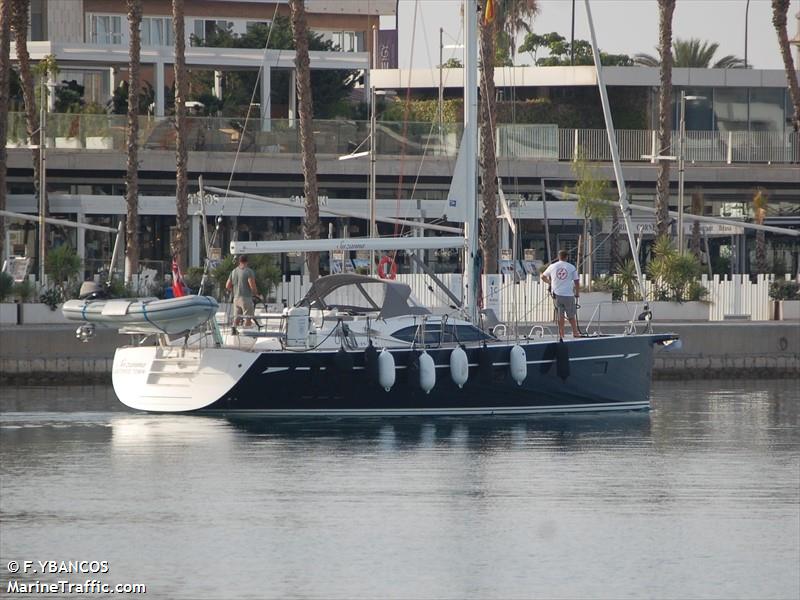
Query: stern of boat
(176, 379)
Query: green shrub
(784, 289)
(62, 264)
(52, 297)
(609, 284)
(6, 285)
(672, 272)
(23, 290)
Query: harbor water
(697, 498)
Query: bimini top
(359, 294)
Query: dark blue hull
(588, 374)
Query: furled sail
(455, 210)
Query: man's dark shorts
(566, 305)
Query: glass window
(252, 24)
(435, 334)
(206, 27)
(105, 29)
(699, 113)
(157, 31)
(767, 109)
(345, 40)
(38, 22)
(730, 109)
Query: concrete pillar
(292, 96)
(218, 84)
(194, 242)
(159, 89)
(266, 88)
(51, 95)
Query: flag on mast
(488, 15)
(178, 286)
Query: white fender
(386, 369)
(518, 364)
(459, 366)
(427, 372)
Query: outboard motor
(91, 290)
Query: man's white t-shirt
(562, 274)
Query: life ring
(392, 268)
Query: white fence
(528, 301)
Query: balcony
(80, 132)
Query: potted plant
(68, 127)
(785, 295)
(677, 292)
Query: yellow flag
(488, 16)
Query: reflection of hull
(605, 373)
(170, 316)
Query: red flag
(178, 287)
(488, 16)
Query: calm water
(700, 498)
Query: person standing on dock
(563, 278)
(242, 282)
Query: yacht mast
(612, 142)
(470, 139)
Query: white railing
(635, 145)
(528, 301)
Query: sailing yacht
(363, 346)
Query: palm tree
(760, 200)
(5, 79)
(180, 244)
(305, 110)
(19, 23)
(697, 209)
(779, 10)
(509, 17)
(693, 53)
(666, 9)
(132, 174)
(487, 114)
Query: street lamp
(681, 164)
(746, 19)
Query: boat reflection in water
(154, 432)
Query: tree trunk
(19, 23)
(132, 174)
(487, 149)
(697, 209)
(761, 252)
(5, 72)
(666, 9)
(305, 110)
(779, 10)
(180, 248)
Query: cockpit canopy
(359, 294)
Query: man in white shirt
(564, 281)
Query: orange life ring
(392, 272)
